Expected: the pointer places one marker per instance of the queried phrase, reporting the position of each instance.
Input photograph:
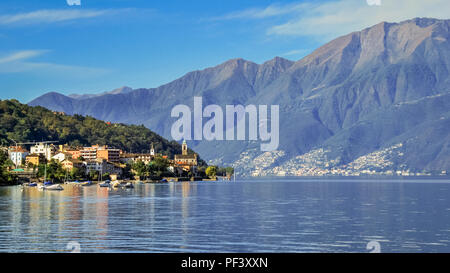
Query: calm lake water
(286, 215)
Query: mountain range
(376, 100)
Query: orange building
(110, 155)
(75, 153)
(69, 164)
(34, 159)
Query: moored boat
(87, 183)
(123, 185)
(78, 183)
(129, 185)
(115, 184)
(55, 187)
(105, 184)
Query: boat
(74, 182)
(55, 187)
(123, 185)
(87, 183)
(32, 185)
(47, 183)
(105, 184)
(115, 184)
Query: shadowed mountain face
(361, 93)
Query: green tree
(93, 175)
(151, 169)
(211, 171)
(126, 171)
(139, 168)
(6, 178)
(106, 176)
(52, 171)
(76, 173)
(161, 164)
(229, 171)
(201, 171)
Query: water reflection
(102, 213)
(253, 216)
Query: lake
(267, 215)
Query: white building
(42, 148)
(17, 154)
(94, 165)
(101, 166)
(62, 156)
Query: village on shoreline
(46, 161)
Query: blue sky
(101, 45)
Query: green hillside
(24, 123)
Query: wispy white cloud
(333, 18)
(18, 62)
(52, 68)
(21, 55)
(74, 2)
(261, 13)
(51, 16)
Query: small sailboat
(55, 187)
(123, 185)
(44, 185)
(129, 185)
(115, 184)
(87, 183)
(105, 184)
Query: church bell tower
(184, 149)
(152, 150)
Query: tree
(126, 172)
(76, 173)
(6, 178)
(201, 171)
(151, 169)
(106, 176)
(93, 175)
(139, 168)
(211, 171)
(52, 171)
(229, 171)
(161, 163)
